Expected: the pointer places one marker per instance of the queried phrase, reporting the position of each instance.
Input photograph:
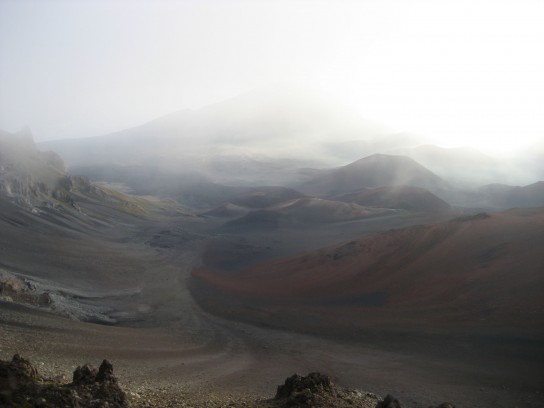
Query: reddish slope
(476, 272)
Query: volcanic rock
(318, 391)
(105, 373)
(84, 375)
(21, 385)
(316, 383)
(389, 402)
(15, 374)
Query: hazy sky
(463, 72)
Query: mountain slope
(37, 181)
(470, 167)
(304, 211)
(407, 198)
(377, 170)
(471, 273)
(73, 247)
(504, 196)
(258, 138)
(274, 123)
(28, 176)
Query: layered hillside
(65, 242)
(476, 272)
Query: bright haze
(459, 73)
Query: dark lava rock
(313, 382)
(318, 391)
(22, 386)
(15, 374)
(84, 375)
(389, 402)
(105, 373)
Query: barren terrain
(216, 305)
(165, 347)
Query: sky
(458, 72)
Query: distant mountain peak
(376, 170)
(385, 159)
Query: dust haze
(213, 196)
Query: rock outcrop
(389, 402)
(318, 390)
(22, 386)
(37, 181)
(19, 290)
(31, 178)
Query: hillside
(471, 273)
(466, 166)
(37, 181)
(302, 212)
(265, 132)
(249, 199)
(460, 164)
(377, 170)
(407, 198)
(58, 230)
(28, 176)
(125, 261)
(262, 197)
(513, 196)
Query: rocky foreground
(22, 386)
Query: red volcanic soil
(404, 197)
(482, 273)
